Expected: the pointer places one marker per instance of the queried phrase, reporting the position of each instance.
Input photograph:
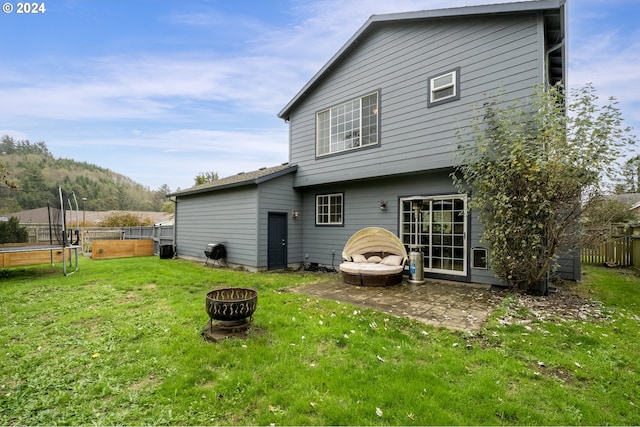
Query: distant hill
(37, 175)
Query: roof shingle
(239, 179)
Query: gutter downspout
(175, 227)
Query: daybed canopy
(373, 239)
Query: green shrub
(11, 232)
(125, 219)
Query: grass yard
(119, 343)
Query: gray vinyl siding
(496, 55)
(324, 245)
(479, 275)
(238, 217)
(278, 196)
(228, 216)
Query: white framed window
(444, 87)
(329, 209)
(347, 126)
(437, 227)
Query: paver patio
(440, 303)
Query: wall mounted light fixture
(383, 205)
(295, 214)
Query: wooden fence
(14, 259)
(91, 234)
(105, 249)
(617, 251)
(622, 248)
(162, 235)
(43, 234)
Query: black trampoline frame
(67, 236)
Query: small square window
(444, 87)
(329, 209)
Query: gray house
(374, 132)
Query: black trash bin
(166, 251)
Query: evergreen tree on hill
(30, 174)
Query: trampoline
(61, 237)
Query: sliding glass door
(437, 227)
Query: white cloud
(611, 62)
(241, 143)
(175, 157)
(15, 134)
(196, 98)
(262, 78)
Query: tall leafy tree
(7, 146)
(601, 215)
(33, 188)
(204, 177)
(528, 168)
(4, 177)
(160, 197)
(630, 182)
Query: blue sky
(161, 90)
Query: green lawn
(119, 343)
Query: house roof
(627, 198)
(35, 216)
(555, 31)
(238, 180)
(630, 199)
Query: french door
(437, 227)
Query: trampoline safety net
(64, 231)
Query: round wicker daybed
(373, 256)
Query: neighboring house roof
(555, 31)
(630, 199)
(41, 216)
(36, 216)
(240, 179)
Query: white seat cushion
(359, 258)
(370, 269)
(393, 260)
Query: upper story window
(444, 87)
(348, 126)
(329, 209)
